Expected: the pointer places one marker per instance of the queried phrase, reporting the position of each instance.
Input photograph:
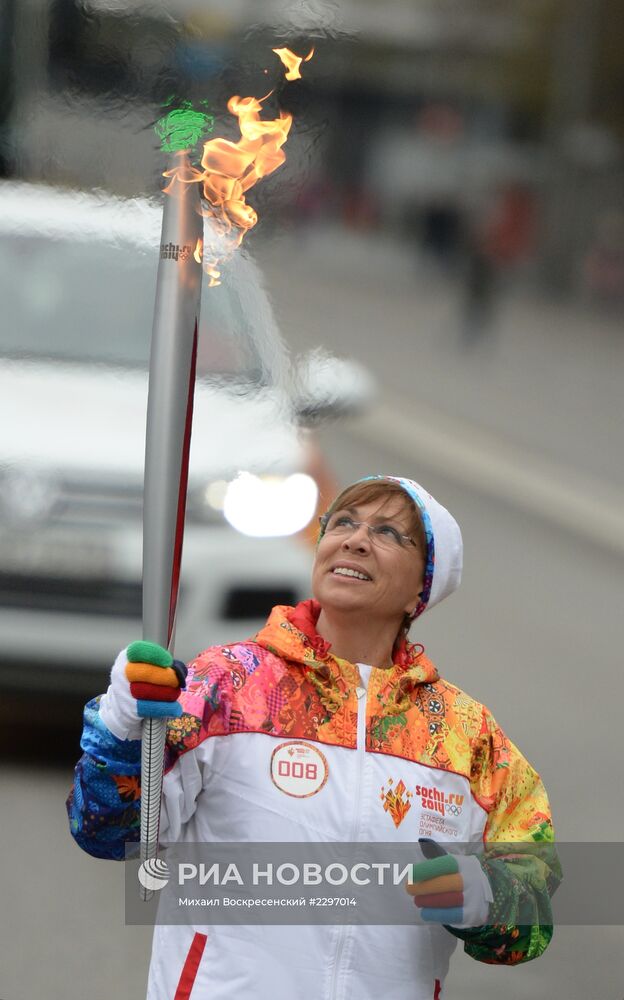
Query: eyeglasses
(385, 535)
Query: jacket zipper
(360, 750)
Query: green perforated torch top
(182, 128)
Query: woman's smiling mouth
(351, 573)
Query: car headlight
(269, 506)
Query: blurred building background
(488, 135)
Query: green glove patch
(425, 870)
(149, 652)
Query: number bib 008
(298, 769)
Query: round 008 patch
(298, 769)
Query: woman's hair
(384, 490)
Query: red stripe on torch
(184, 471)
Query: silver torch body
(168, 437)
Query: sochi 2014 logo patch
(298, 769)
(440, 802)
(396, 801)
(395, 798)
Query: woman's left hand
(451, 890)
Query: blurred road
(544, 376)
(534, 631)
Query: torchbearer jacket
(414, 757)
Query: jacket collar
(291, 634)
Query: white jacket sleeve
(182, 786)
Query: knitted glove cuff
(477, 893)
(118, 707)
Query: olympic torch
(228, 170)
(168, 437)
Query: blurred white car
(77, 280)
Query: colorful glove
(451, 890)
(145, 684)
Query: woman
(389, 752)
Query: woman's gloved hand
(145, 684)
(451, 890)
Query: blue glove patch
(159, 709)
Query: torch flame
(293, 62)
(182, 172)
(199, 250)
(230, 169)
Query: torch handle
(153, 732)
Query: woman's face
(394, 574)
